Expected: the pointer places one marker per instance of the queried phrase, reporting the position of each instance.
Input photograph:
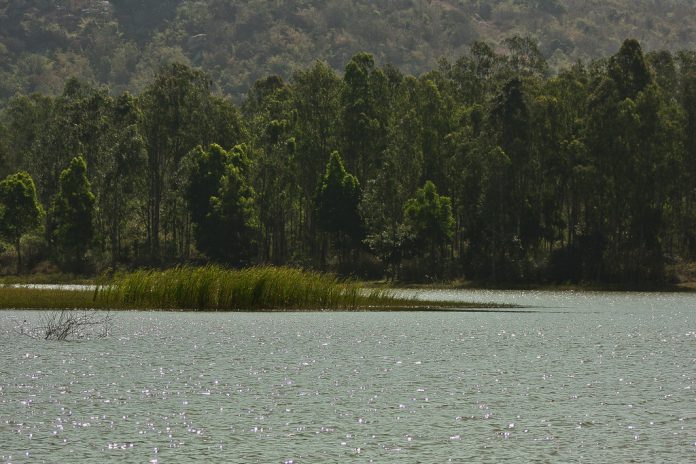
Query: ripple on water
(593, 377)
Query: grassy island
(213, 288)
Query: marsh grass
(32, 298)
(214, 288)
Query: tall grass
(32, 298)
(217, 289)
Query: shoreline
(61, 281)
(14, 297)
(459, 284)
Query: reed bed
(214, 288)
(32, 298)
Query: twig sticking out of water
(71, 325)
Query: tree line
(488, 167)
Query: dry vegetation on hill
(122, 42)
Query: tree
(525, 58)
(632, 138)
(274, 176)
(222, 204)
(78, 122)
(177, 107)
(363, 118)
(510, 125)
(71, 216)
(629, 70)
(316, 104)
(120, 177)
(25, 119)
(337, 202)
(429, 217)
(382, 205)
(20, 210)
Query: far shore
(688, 286)
(66, 281)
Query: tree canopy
(488, 166)
(20, 210)
(71, 215)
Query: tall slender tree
(20, 210)
(71, 216)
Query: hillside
(122, 42)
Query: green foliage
(429, 217)
(20, 210)
(222, 204)
(179, 113)
(119, 177)
(337, 201)
(71, 216)
(629, 70)
(586, 174)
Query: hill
(123, 42)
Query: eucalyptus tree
(363, 115)
(25, 119)
(399, 174)
(316, 93)
(268, 108)
(221, 202)
(524, 57)
(625, 127)
(20, 210)
(78, 122)
(338, 198)
(428, 216)
(435, 126)
(687, 102)
(178, 114)
(510, 126)
(476, 74)
(121, 181)
(71, 216)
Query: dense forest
(123, 43)
(487, 167)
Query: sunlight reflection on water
(592, 376)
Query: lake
(573, 377)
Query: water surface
(590, 377)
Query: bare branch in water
(70, 325)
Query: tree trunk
(19, 256)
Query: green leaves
(429, 216)
(629, 69)
(337, 201)
(222, 203)
(71, 216)
(20, 209)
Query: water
(588, 377)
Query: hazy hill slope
(121, 42)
